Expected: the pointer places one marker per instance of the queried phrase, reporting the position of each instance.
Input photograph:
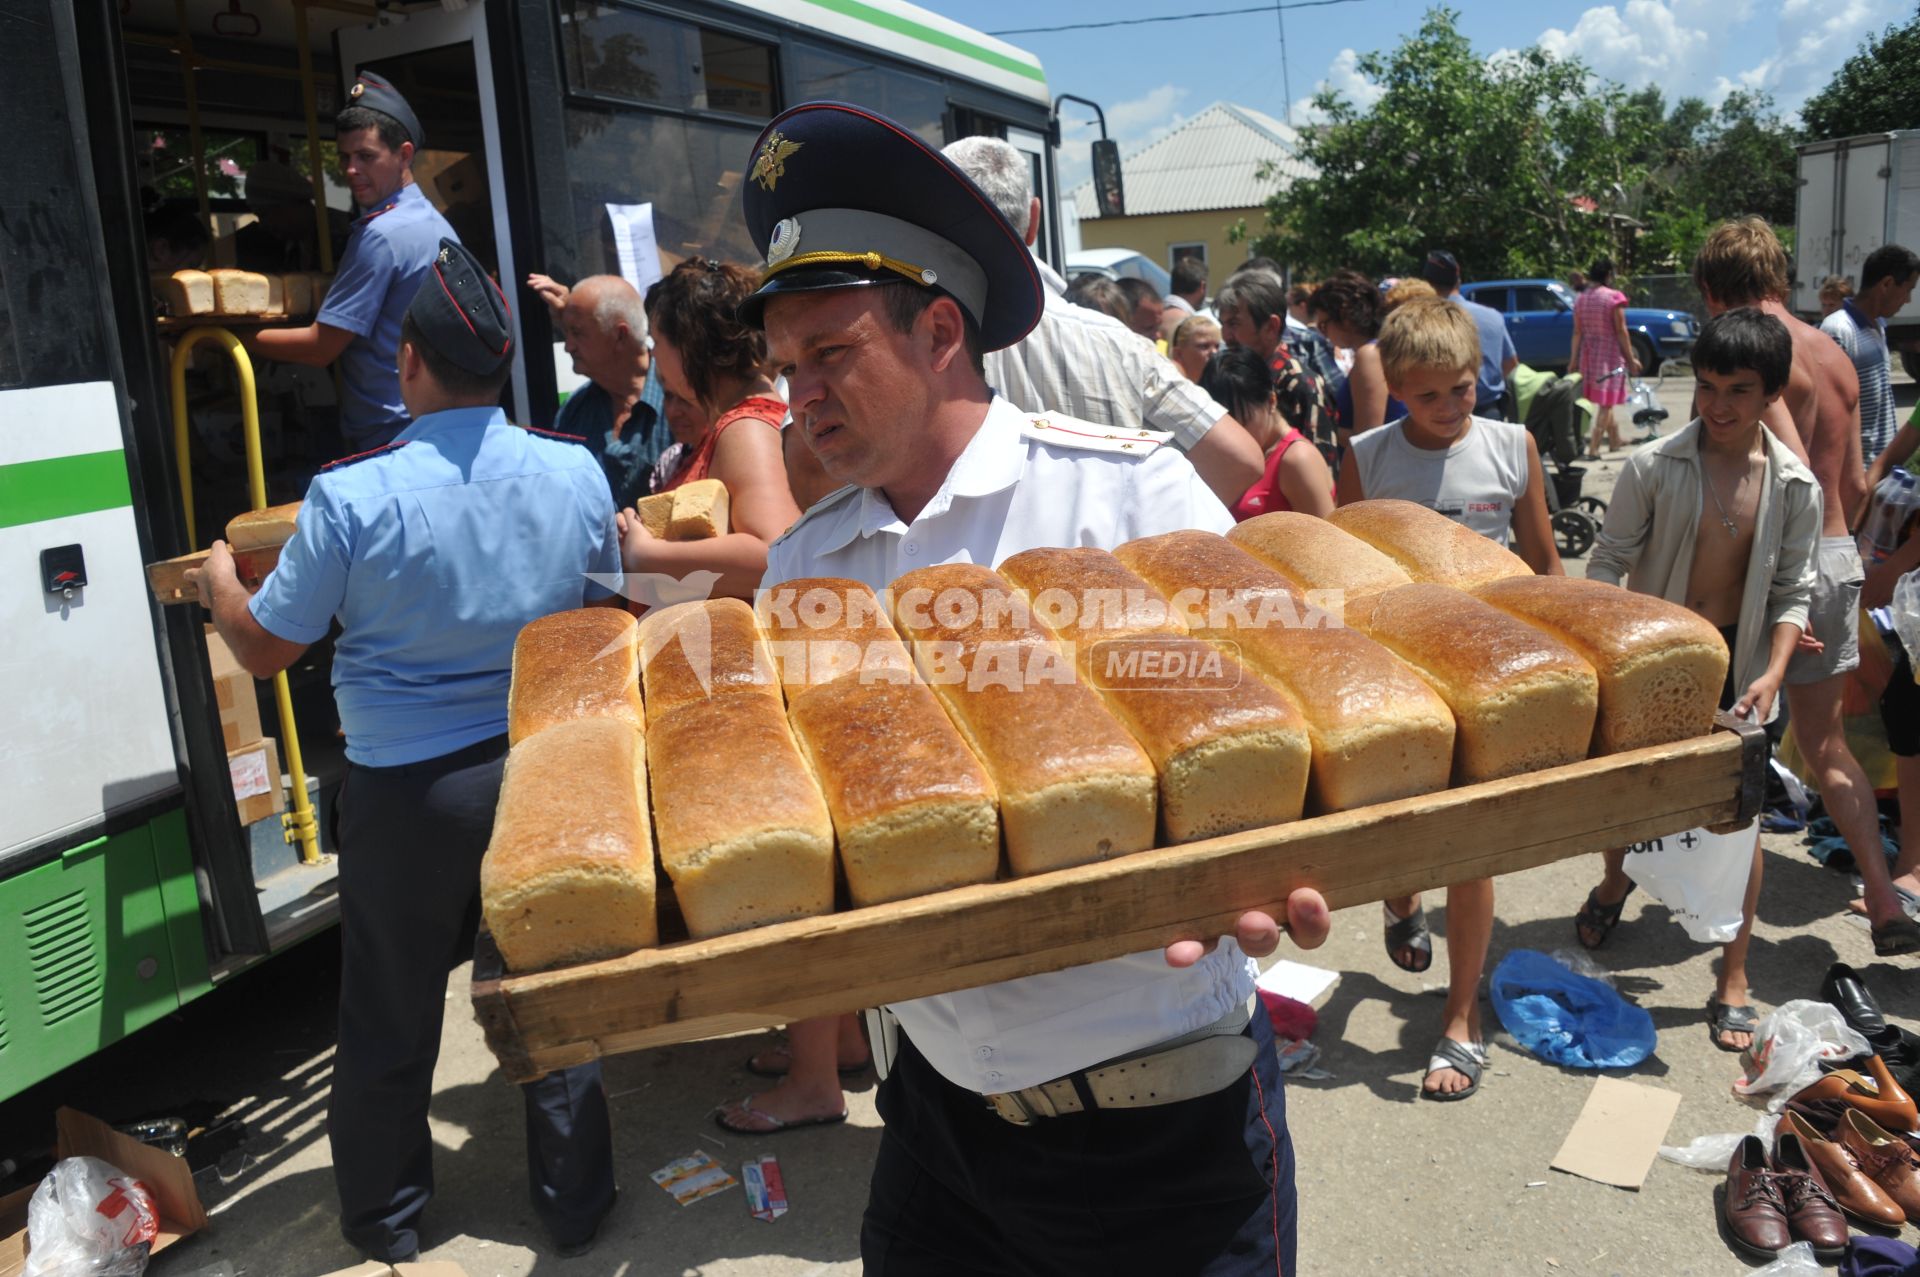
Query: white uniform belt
(1185, 1068)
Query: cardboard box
(234, 693)
(255, 772)
(165, 1175)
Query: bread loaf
(568, 873)
(690, 652)
(1316, 555)
(913, 810)
(276, 294)
(239, 292)
(1379, 732)
(699, 511)
(1230, 752)
(263, 529)
(186, 293)
(1521, 699)
(1430, 546)
(297, 289)
(655, 512)
(583, 663)
(1661, 666)
(741, 825)
(1074, 786)
(823, 628)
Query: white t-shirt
(1477, 482)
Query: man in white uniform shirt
(888, 275)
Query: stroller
(1647, 413)
(1552, 417)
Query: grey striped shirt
(1865, 342)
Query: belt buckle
(1010, 1107)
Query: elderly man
(605, 327)
(1081, 362)
(879, 325)
(1253, 313)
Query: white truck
(1856, 194)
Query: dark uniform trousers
(411, 839)
(1204, 1187)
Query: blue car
(1539, 315)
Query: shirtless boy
(1693, 519)
(1742, 264)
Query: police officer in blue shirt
(389, 251)
(432, 552)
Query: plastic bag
(1568, 1018)
(1700, 877)
(1711, 1153)
(1788, 1046)
(89, 1218)
(1906, 615)
(1796, 1260)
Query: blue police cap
(840, 197)
(462, 313)
(375, 94)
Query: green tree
(1521, 165)
(1876, 90)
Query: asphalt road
(1388, 1183)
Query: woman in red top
(1296, 477)
(706, 357)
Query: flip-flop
(845, 1070)
(1466, 1058)
(774, 1125)
(1599, 918)
(1722, 1018)
(1409, 932)
(1897, 938)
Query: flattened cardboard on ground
(374, 1268)
(165, 1175)
(1618, 1133)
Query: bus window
(915, 101)
(690, 170)
(616, 52)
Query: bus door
(442, 63)
(1040, 159)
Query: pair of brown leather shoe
(1877, 1095)
(1886, 1159)
(1857, 1192)
(1773, 1202)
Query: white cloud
(1641, 42)
(1133, 124)
(1815, 37)
(1345, 78)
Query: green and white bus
(128, 887)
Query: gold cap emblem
(357, 89)
(771, 164)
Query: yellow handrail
(298, 825)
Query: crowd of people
(858, 410)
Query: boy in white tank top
(1486, 476)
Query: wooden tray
(170, 324)
(977, 935)
(168, 578)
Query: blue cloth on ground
(1567, 1018)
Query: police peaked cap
(375, 94)
(839, 197)
(462, 314)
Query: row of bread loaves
(187, 293)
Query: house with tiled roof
(1186, 189)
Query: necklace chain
(1733, 529)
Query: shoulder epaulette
(362, 456)
(555, 434)
(1066, 432)
(817, 510)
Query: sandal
(1598, 918)
(767, 1071)
(1722, 1018)
(1466, 1058)
(1897, 938)
(1409, 933)
(774, 1126)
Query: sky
(1150, 78)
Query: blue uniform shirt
(389, 251)
(433, 554)
(1496, 347)
(628, 460)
